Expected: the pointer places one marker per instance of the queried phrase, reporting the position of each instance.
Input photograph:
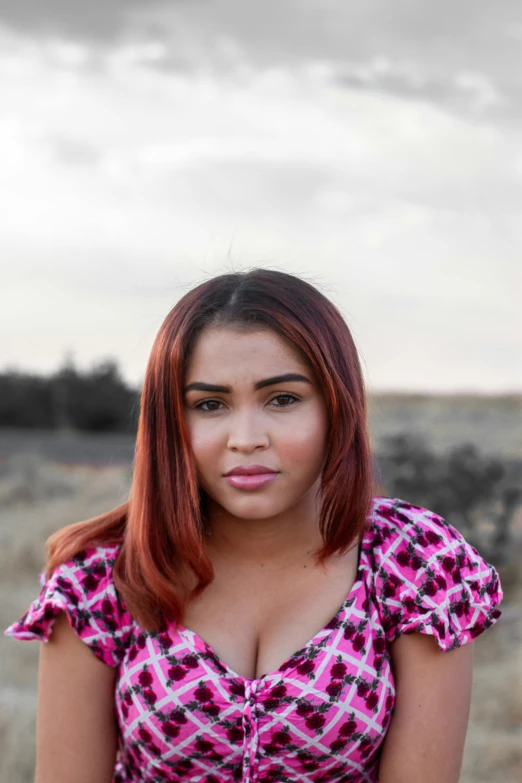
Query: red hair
(161, 527)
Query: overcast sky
(373, 147)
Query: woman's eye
(289, 400)
(290, 397)
(199, 406)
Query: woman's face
(281, 425)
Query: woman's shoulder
(86, 577)
(82, 587)
(425, 576)
(89, 570)
(398, 525)
(408, 539)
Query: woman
(255, 612)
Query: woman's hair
(161, 527)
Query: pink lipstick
(250, 476)
(250, 482)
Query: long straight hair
(161, 527)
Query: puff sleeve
(83, 588)
(429, 579)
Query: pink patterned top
(185, 716)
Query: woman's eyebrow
(210, 387)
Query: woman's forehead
(220, 346)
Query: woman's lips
(250, 482)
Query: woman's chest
(255, 621)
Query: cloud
(463, 56)
(444, 35)
(99, 20)
(74, 151)
(465, 92)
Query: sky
(373, 148)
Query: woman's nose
(246, 432)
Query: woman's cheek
(307, 437)
(202, 440)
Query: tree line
(94, 400)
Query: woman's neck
(275, 543)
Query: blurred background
(374, 149)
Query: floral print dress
(187, 717)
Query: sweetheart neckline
(202, 646)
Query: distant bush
(97, 400)
(25, 400)
(477, 494)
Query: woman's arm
(425, 740)
(76, 728)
